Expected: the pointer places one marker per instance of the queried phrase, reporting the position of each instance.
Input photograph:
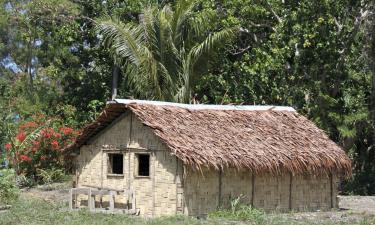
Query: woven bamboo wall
(156, 194)
(203, 193)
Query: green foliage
(49, 176)
(25, 181)
(161, 56)
(239, 211)
(36, 148)
(305, 54)
(316, 56)
(8, 189)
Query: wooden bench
(92, 193)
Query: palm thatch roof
(258, 138)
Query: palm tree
(163, 55)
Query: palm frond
(161, 52)
(122, 39)
(200, 24)
(210, 42)
(149, 27)
(183, 11)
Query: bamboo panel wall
(207, 192)
(156, 194)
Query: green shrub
(25, 181)
(49, 176)
(37, 144)
(8, 188)
(238, 211)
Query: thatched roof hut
(258, 139)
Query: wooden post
(100, 201)
(133, 200)
(252, 189)
(331, 188)
(290, 191)
(153, 185)
(220, 187)
(89, 201)
(71, 199)
(102, 169)
(111, 201)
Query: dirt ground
(361, 204)
(57, 192)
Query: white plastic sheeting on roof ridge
(202, 106)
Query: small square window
(115, 163)
(143, 169)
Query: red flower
(57, 135)
(34, 149)
(43, 157)
(25, 158)
(66, 130)
(48, 132)
(29, 124)
(21, 136)
(55, 144)
(36, 143)
(7, 146)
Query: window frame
(109, 165)
(136, 165)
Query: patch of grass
(29, 210)
(242, 213)
(249, 215)
(36, 211)
(8, 189)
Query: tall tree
(162, 56)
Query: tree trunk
(371, 60)
(115, 80)
(29, 58)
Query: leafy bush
(24, 181)
(240, 211)
(50, 176)
(38, 144)
(8, 188)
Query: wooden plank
(101, 192)
(130, 194)
(220, 187)
(80, 190)
(70, 199)
(153, 187)
(104, 188)
(111, 201)
(252, 189)
(290, 191)
(331, 188)
(89, 201)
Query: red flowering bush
(38, 144)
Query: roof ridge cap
(203, 106)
